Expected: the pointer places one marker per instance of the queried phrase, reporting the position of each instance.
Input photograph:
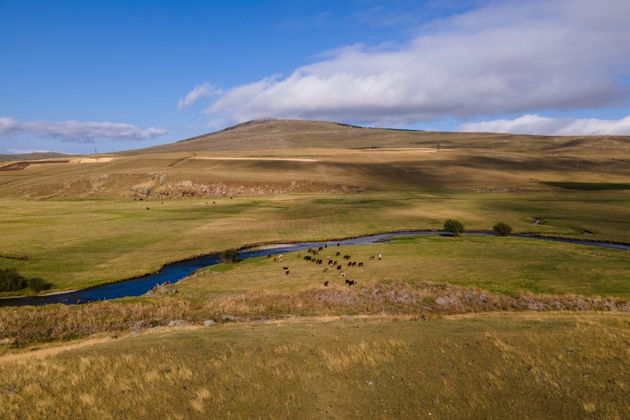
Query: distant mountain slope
(299, 134)
(288, 156)
(32, 156)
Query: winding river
(174, 272)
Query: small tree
(229, 255)
(502, 229)
(453, 226)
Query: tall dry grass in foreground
(20, 326)
(518, 365)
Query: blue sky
(75, 76)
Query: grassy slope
(81, 243)
(492, 366)
(345, 157)
(504, 265)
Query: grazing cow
(325, 270)
(325, 245)
(269, 256)
(320, 248)
(337, 254)
(335, 262)
(338, 267)
(285, 268)
(307, 258)
(287, 272)
(380, 256)
(354, 263)
(360, 264)
(320, 261)
(349, 263)
(330, 262)
(350, 282)
(326, 283)
(346, 257)
(371, 257)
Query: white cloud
(77, 131)
(204, 90)
(506, 57)
(535, 124)
(26, 151)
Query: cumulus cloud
(535, 124)
(77, 131)
(204, 90)
(505, 57)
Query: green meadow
(76, 244)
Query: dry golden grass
(22, 326)
(494, 366)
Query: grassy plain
(80, 243)
(503, 265)
(552, 365)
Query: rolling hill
(289, 156)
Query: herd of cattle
(331, 262)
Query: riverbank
(174, 272)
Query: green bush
(11, 281)
(37, 284)
(229, 255)
(453, 226)
(502, 229)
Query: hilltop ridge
(278, 134)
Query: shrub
(37, 284)
(502, 229)
(229, 255)
(11, 281)
(453, 226)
